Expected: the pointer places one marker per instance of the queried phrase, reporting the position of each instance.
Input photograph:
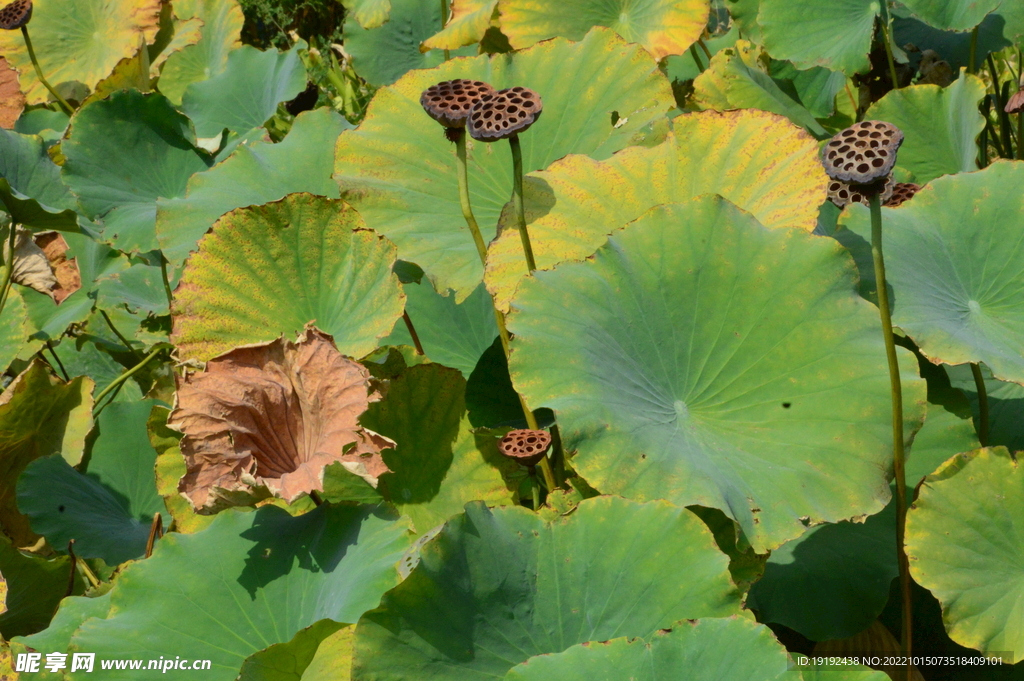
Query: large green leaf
(952, 258)
(108, 511)
(14, 329)
(439, 464)
(940, 126)
(270, 270)
(469, 22)
(72, 611)
(1005, 406)
(381, 55)
(40, 415)
(663, 27)
(399, 172)
(222, 26)
(79, 41)
(289, 661)
(707, 649)
(683, 67)
(497, 587)
(369, 13)
(944, 434)
(122, 188)
(246, 93)
(964, 544)
(955, 15)
(32, 191)
(248, 581)
(756, 160)
(254, 174)
(702, 358)
(834, 34)
(35, 587)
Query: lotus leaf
(541, 587)
(955, 15)
(1005, 404)
(815, 88)
(140, 287)
(31, 189)
(398, 171)
(945, 433)
(72, 611)
(835, 34)
(963, 544)
(663, 27)
(469, 21)
(268, 270)
(683, 67)
(14, 329)
(695, 349)
(35, 587)
(289, 661)
(369, 13)
(248, 581)
(121, 188)
(951, 257)
(756, 160)
(953, 46)
(80, 41)
(221, 25)
(744, 15)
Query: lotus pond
(512, 339)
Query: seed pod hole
(901, 193)
(863, 153)
(449, 103)
(503, 114)
(527, 447)
(16, 14)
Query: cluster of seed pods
(487, 114)
(859, 162)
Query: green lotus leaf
(1013, 14)
(953, 15)
(844, 673)
(35, 587)
(122, 188)
(469, 21)
(40, 415)
(108, 511)
(383, 54)
(683, 67)
(663, 27)
(708, 649)
(1005, 406)
(246, 93)
(815, 88)
(333, 659)
(701, 358)
(398, 171)
(453, 334)
(962, 542)
(138, 288)
(439, 464)
(735, 81)
(951, 258)
(835, 34)
(270, 270)
(71, 613)
(31, 190)
(254, 174)
(248, 581)
(89, 356)
(940, 126)
(755, 159)
(79, 41)
(289, 661)
(491, 400)
(369, 13)
(14, 329)
(833, 581)
(944, 434)
(541, 587)
(220, 34)
(744, 15)
(953, 46)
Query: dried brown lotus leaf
(31, 266)
(16, 14)
(863, 153)
(1016, 103)
(902, 192)
(527, 447)
(449, 102)
(69, 277)
(267, 419)
(12, 99)
(842, 193)
(505, 113)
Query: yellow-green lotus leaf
(79, 40)
(759, 161)
(663, 27)
(221, 32)
(470, 20)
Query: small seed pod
(449, 102)
(503, 114)
(901, 193)
(863, 153)
(842, 194)
(527, 447)
(16, 14)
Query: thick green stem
(167, 281)
(897, 425)
(117, 382)
(39, 73)
(887, 39)
(444, 22)
(705, 48)
(8, 274)
(696, 58)
(517, 200)
(979, 383)
(467, 208)
(972, 59)
(120, 337)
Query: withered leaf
(267, 419)
(12, 99)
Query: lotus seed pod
(449, 102)
(902, 192)
(527, 447)
(842, 194)
(503, 114)
(16, 14)
(862, 153)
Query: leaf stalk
(979, 383)
(39, 73)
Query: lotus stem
(166, 280)
(972, 59)
(8, 273)
(412, 332)
(696, 58)
(156, 530)
(60, 365)
(887, 39)
(444, 21)
(897, 427)
(120, 337)
(467, 208)
(704, 47)
(979, 383)
(1020, 136)
(517, 200)
(119, 381)
(39, 73)
(534, 487)
(71, 572)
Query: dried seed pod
(844, 193)
(862, 153)
(449, 102)
(503, 114)
(16, 14)
(901, 193)
(527, 447)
